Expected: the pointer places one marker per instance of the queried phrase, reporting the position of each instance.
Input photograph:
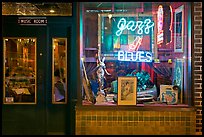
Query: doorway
(29, 55)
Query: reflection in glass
(59, 86)
(19, 70)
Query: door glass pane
(19, 70)
(59, 73)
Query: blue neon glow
(138, 56)
(143, 26)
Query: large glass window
(19, 70)
(59, 83)
(146, 40)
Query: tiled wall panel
(98, 122)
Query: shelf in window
(91, 49)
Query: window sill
(140, 107)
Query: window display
(135, 40)
(19, 70)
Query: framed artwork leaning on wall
(127, 90)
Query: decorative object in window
(127, 93)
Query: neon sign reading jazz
(143, 26)
(138, 56)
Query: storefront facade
(130, 68)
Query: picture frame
(127, 90)
(168, 94)
(179, 29)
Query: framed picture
(168, 94)
(127, 88)
(179, 29)
(178, 76)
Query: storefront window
(59, 86)
(19, 70)
(145, 40)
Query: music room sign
(38, 21)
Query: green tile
(171, 119)
(104, 118)
(88, 117)
(178, 118)
(166, 118)
(131, 118)
(83, 124)
(161, 118)
(156, 118)
(93, 117)
(136, 118)
(125, 118)
(188, 123)
(187, 129)
(187, 118)
(183, 118)
(146, 118)
(83, 118)
(114, 118)
(152, 118)
(110, 118)
(99, 118)
(140, 118)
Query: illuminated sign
(32, 21)
(164, 24)
(160, 22)
(171, 22)
(143, 27)
(136, 43)
(138, 56)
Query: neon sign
(160, 22)
(143, 26)
(137, 41)
(140, 28)
(139, 56)
(171, 22)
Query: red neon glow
(160, 22)
(171, 23)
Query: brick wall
(198, 64)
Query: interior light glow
(52, 11)
(110, 16)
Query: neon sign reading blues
(143, 26)
(138, 56)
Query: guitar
(87, 86)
